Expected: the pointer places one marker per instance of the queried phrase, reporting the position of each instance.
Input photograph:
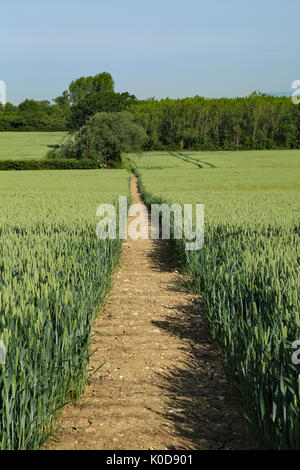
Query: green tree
(106, 136)
(63, 100)
(82, 87)
(98, 102)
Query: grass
(54, 276)
(28, 145)
(247, 272)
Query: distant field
(221, 159)
(27, 145)
(240, 187)
(245, 158)
(194, 174)
(159, 160)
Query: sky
(156, 48)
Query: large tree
(96, 102)
(84, 86)
(103, 139)
(107, 135)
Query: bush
(107, 135)
(68, 150)
(49, 164)
(104, 139)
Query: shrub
(107, 135)
(49, 164)
(103, 140)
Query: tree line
(33, 115)
(258, 121)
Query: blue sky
(152, 48)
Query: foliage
(98, 102)
(33, 116)
(49, 164)
(84, 86)
(255, 122)
(104, 138)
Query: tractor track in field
(162, 385)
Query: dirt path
(162, 385)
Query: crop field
(160, 160)
(266, 186)
(28, 145)
(252, 158)
(54, 274)
(247, 271)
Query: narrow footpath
(162, 385)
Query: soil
(162, 385)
